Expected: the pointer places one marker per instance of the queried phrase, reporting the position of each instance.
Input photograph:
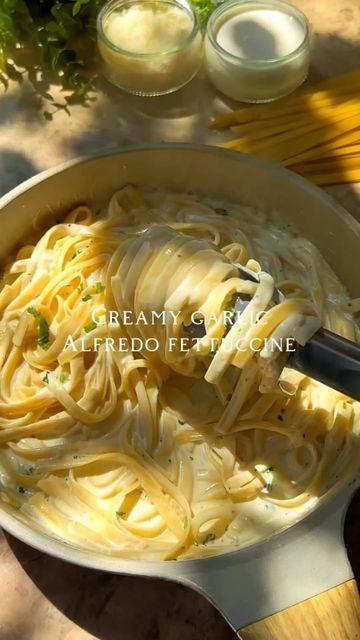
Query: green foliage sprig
(60, 34)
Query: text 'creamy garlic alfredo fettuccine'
(167, 452)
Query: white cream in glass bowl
(257, 50)
(149, 47)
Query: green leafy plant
(204, 8)
(60, 37)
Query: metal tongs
(326, 357)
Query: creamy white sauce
(261, 34)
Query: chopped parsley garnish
(99, 287)
(44, 334)
(80, 287)
(87, 297)
(90, 327)
(181, 421)
(269, 484)
(204, 9)
(221, 211)
(63, 377)
(121, 514)
(230, 308)
(77, 252)
(21, 489)
(30, 471)
(46, 378)
(209, 538)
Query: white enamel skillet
(297, 584)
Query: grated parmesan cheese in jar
(149, 47)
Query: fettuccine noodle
(167, 452)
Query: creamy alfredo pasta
(140, 415)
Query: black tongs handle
(330, 359)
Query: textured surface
(334, 615)
(45, 599)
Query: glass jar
(149, 47)
(257, 50)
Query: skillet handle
(332, 615)
(257, 585)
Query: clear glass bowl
(251, 79)
(155, 73)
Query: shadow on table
(22, 103)
(128, 608)
(14, 168)
(118, 119)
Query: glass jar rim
(114, 4)
(253, 4)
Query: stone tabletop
(42, 598)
